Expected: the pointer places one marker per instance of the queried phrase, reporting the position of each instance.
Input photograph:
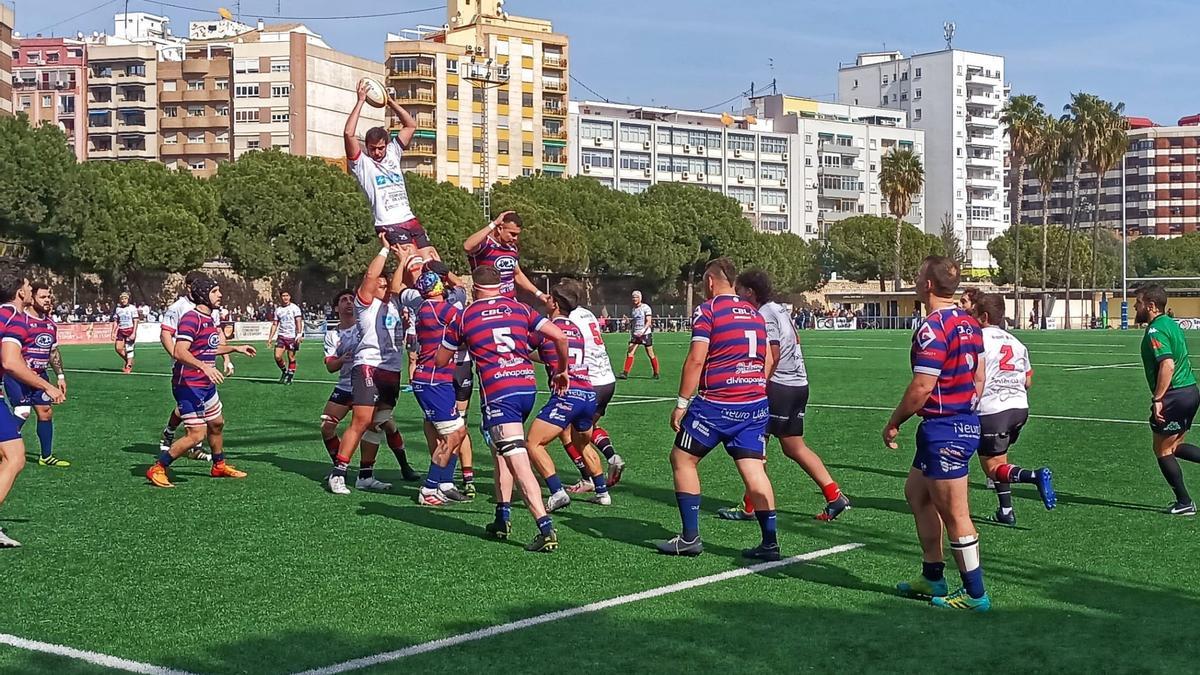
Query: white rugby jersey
(377, 325)
(338, 344)
(1007, 361)
(383, 183)
(639, 320)
(595, 356)
(286, 317)
(171, 317)
(790, 370)
(125, 316)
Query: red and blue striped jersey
(948, 345)
(13, 327)
(735, 370)
(433, 321)
(577, 370)
(41, 336)
(201, 330)
(496, 331)
(504, 258)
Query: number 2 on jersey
(1006, 358)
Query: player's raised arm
(368, 287)
(350, 133)
(405, 134)
(476, 240)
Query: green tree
(1022, 118)
(1048, 162)
(951, 244)
(1105, 152)
(449, 214)
(35, 168)
(862, 248)
(900, 179)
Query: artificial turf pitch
(272, 574)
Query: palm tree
(1107, 151)
(900, 179)
(1085, 117)
(1047, 162)
(1022, 117)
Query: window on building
(742, 195)
(917, 94)
(170, 139)
(635, 187)
(280, 115)
(221, 84)
(917, 114)
(477, 145)
(885, 79)
(589, 129)
(167, 85)
(773, 197)
(241, 66)
(245, 115)
(916, 73)
(903, 96)
(452, 65)
(527, 149)
(904, 75)
(281, 90)
(195, 111)
(222, 110)
(635, 161)
(245, 91)
(280, 65)
(452, 143)
(222, 137)
(47, 100)
(774, 171)
(195, 137)
(197, 165)
(477, 94)
(502, 96)
(253, 144)
(741, 142)
(602, 159)
(773, 145)
(634, 133)
(527, 101)
(170, 111)
(808, 161)
(893, 98)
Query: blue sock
(45, 432)
(165, 459)
(973, 582)
(600, 483)
(503, 511)
(689, 513)
(218, 458)
(933, 571)
(448, 473)
(433, 477)
(545, 525)
(766, 523)
(553, 483)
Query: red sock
(628, 364)
(574, 454)
(1003, 474)
(747, 505)
(331, 445)
(292, 367)
(831, 492)
(654, 364)
(394, 440)
(468, 474)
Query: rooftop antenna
(948, 34)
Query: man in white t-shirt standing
(641, 332)
(126, 319)
(377, 168)
(1004, 408)
(287, 331)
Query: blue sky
(695, 53)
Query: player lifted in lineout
(641, 333)
(1174, 397)
(194, 379)
(377, 168)
(727, 363)
(287, 332)
(15, 293)
(946, 384)
(125, 320)
(1004, 408)
(40, 349)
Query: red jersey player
(496, 245)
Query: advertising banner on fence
(836, 323)
(315, 329)
(86, 333)
(251, 330)
(1188, 324)
(148, 332)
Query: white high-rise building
(956, 97)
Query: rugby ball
(377, 96)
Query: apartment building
(49, 85)
(195, 98)
(122, 100)
(795, 165)
(291, 91)
(955, 97)
(7, 21)
(484, 80)
(1162, 186)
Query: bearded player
(641, 333)
(496, 329)
(125, 323)
(287, 332)
(195, 378)
(496, 246)
(14, 295)
(40, 349)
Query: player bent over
(195, 378)
(1174, 397)
(1004, 408)
(14, 295)
(287, 332)
(40, 349)
(125, 320)
(787, 396)
(945, 387)
(641, 333)
(570, 413)
(496, 330)
(728, 362)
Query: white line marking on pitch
(94, 658)
(1111, 365)
(492, 631)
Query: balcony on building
(554, 59)
(423, 169)
(100, 96)
(983, 160)
(983, 179)
(101, 147)
(415, 96)
(983, 121)
(839, 147)
(841, 193)
(99, 120)
(554, 108)
(839, 170)
(412, 67)
(131, 93)
(420, 147)
(555, 131)
(426, 121)
(132, 121)
(983, 76)
(101, 74)
(554, 85)
(980, 140)
(552, 157)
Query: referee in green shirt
(1174, 395)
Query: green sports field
(274, 575)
